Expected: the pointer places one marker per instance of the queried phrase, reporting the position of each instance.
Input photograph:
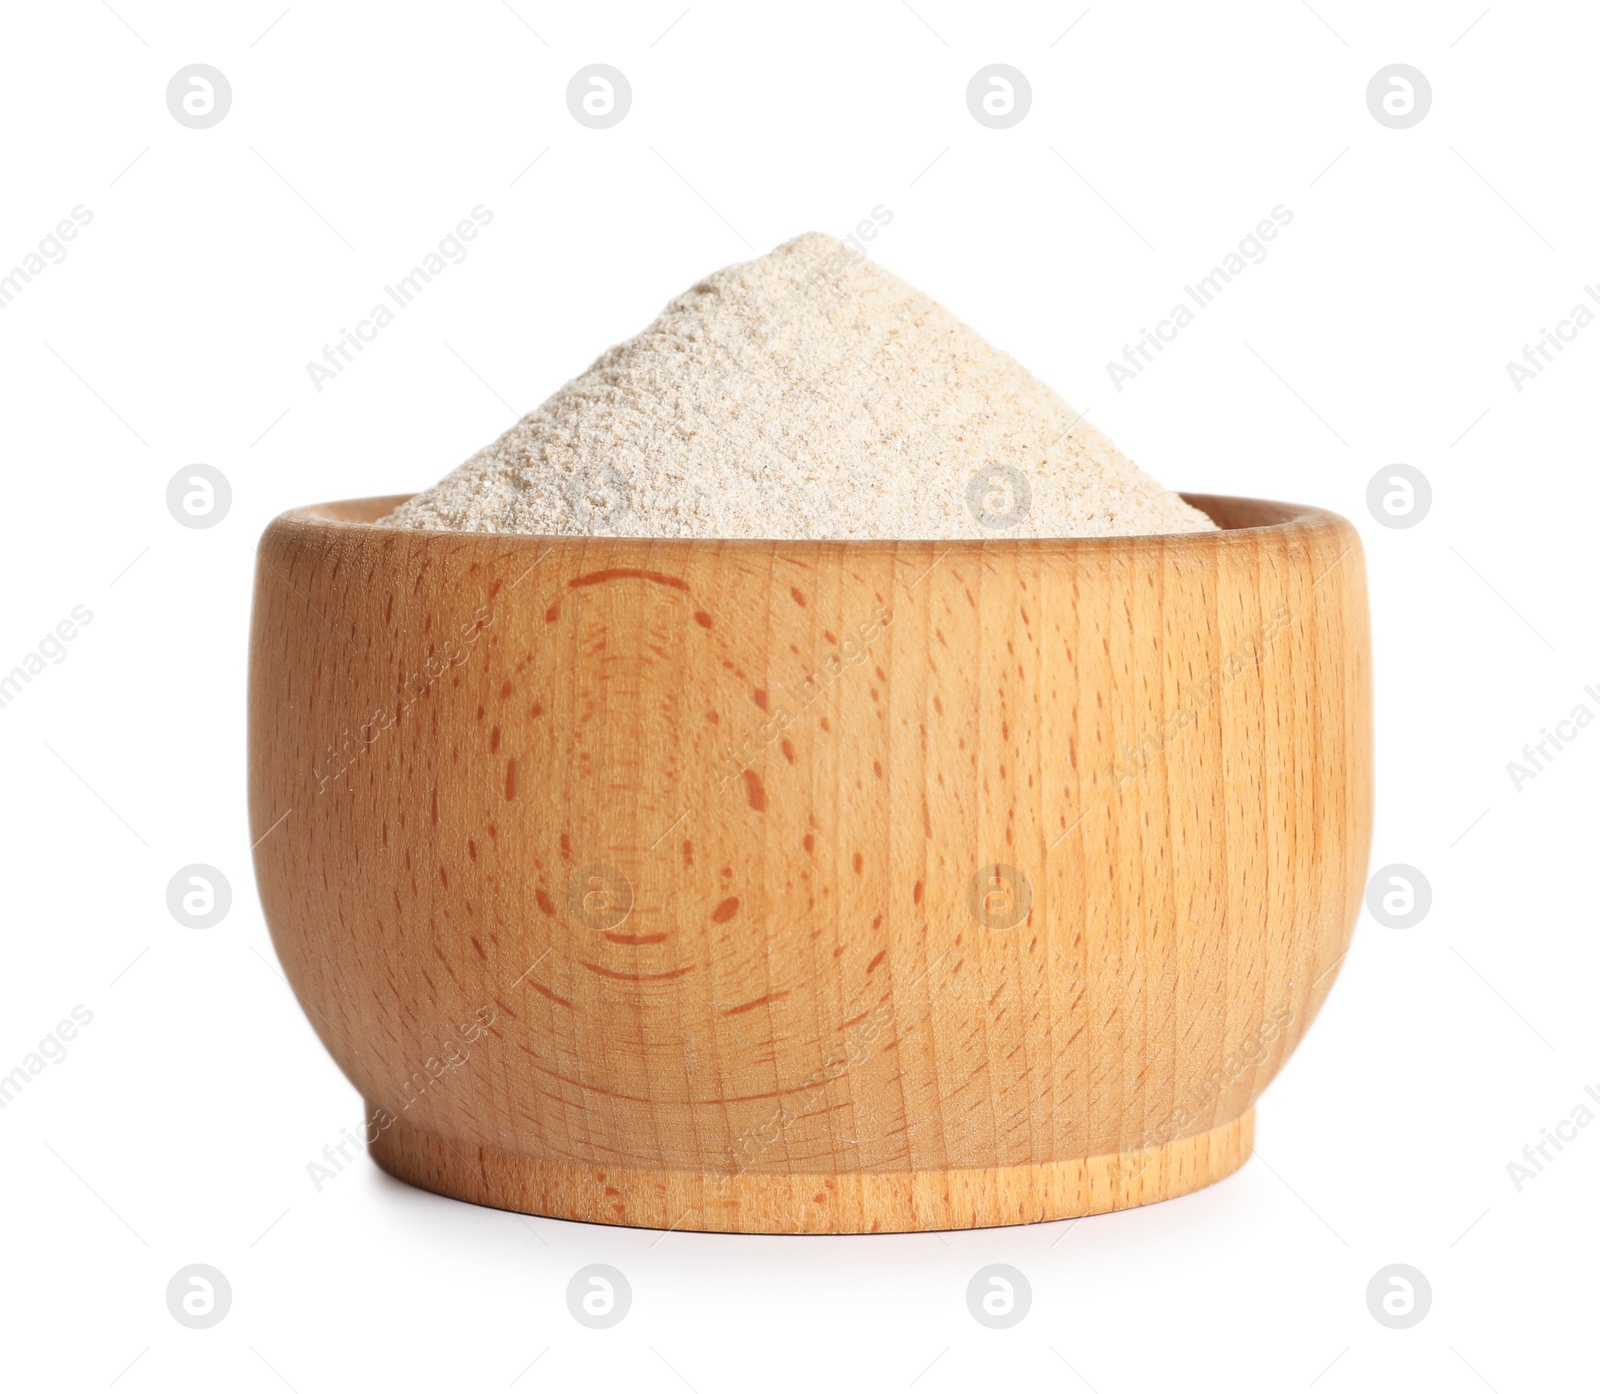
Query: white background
(179, 1126)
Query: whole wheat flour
(806, 394)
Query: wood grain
(811, 887)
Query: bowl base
(814, 1203)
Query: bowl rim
(1254, 518)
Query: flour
(805, 394)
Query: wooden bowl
(807, 886)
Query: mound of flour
(805, 394)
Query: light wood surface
(653, 882)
